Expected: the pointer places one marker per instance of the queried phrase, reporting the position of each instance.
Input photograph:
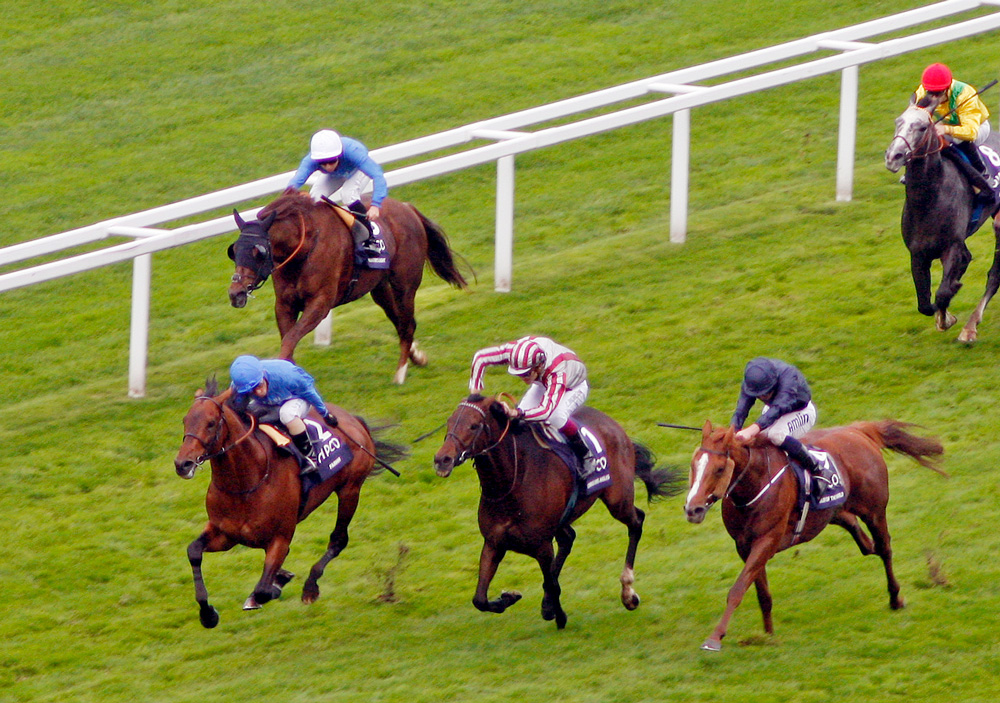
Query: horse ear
(269, 220)
(913, 98)
(706, 429)
(730, 435)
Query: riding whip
(678, 427)
(976, 94)
(425, 435)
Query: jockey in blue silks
(346, 171)
(279, 384)
(788, 409)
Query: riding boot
(305, 446)
(364, 236)
(582, 453)
(799, 454)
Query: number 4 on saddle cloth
(824, 488)
(332, 452)
(381, 261)
(588, 481)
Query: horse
(759, 499)
(528, 495)
(308, 249)
(940, 203)
(254, 498)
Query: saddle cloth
(985, 203)
(332, 452)
(823, 489)
(379, 262)
(554, 440)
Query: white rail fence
(507, 133)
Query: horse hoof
(945, 321)
(560, 620)
(400, 377)
(711, 645)
(310, 594)
(251, 604)
(209, 616)
(967, 336)
(631, 603)
(509, 598)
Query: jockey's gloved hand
(330, 420)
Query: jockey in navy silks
(557, 385)
(347, 169)
(788, 409)
(279, 384)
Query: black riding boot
(304, 445)
(364, 238)
(582, 453)
(799, 454)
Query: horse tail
(892, 435)
(385, 451)
(660, 482)
(439, 254)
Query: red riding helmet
(937, 77)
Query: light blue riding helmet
(246, 372)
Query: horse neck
(244, 464)
(755, 467)
(500, 466)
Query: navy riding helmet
(759, 377)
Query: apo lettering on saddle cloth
(598, 478)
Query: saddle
(987, 184)
(820, 490)
(332, 452)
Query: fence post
(139, 336)
(679, 176)
(848, 132)
(504, 255)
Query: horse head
(206, 429)
(471, 430)
(252, 254)
(915, 135)
(711, 471)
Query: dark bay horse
(759, 499)
(309, 250)
(254, 497)
(939, 205)
(526, 491)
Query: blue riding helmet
(246, 373)
(759, 378)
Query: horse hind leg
(849, 521)
(630, 599)
(399, 308)
(551, 604)
(879, 528)
(954, 264)
(347, 505)
(970, 332)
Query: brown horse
(759, 499)
(309, 250)
(527, 492)
(254, 498)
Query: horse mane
(288, 205)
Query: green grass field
(110, 108)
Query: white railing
(509, 140)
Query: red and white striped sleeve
(491, 356)
(555, 389)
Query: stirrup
(309, 467)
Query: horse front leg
(760, 552)
(920, 270)
(266, 589)
(489, 560)
(565, 538)
(969, 333)
(210, 540)
(551, 606)
(954, 263)
(347, 505)
(292, 330)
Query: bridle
(218, 434)
(269, 268)
(912, 149)
(465, 450)
(712, 498)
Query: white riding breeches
(294, 409)
(340, 190)
(794, 424)
(572, 399)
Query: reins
(464, 453)
(302, 241)
(218, 432)
(732, 484)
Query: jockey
(965, 122)
(279, 384)
(557, 385)
(788, 409)
(347, 170)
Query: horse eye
(474, 426)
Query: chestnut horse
(939, 205)
(254, 498)
(527, 492)
(309, 250)
(760, 507)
